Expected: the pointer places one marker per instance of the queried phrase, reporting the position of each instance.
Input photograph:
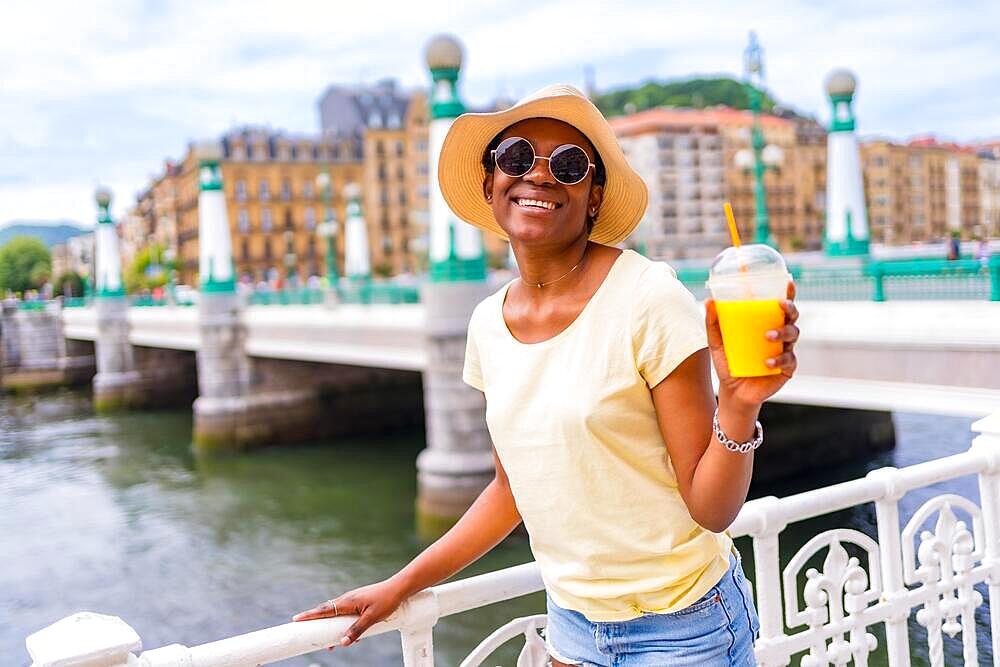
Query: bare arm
(712, 480)
(490, 519)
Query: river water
(114, 514)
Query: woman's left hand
(755, 390)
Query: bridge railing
(822, 606)
(346, 292)
(885, 280)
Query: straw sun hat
(461, 173)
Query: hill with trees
(48, 234)
(695, 93)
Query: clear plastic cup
(748, 283)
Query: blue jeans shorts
(718, 630)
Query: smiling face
(536, 208)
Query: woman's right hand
(372, 603)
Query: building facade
(272, 199)
(921, 191)
(688, 160)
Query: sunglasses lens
(515, 156)
(569, 164)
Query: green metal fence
(347, 292)
(892, 280)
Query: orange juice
(744, 327)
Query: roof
(663, 118)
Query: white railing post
(767, 523)
(891, 560)
(988, 442)
(420, 614)
(85, 638)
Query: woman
(600, 406)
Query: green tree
(25, 263)
(148, 270)
(69, 283)
(695, 93)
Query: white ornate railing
(930, 565)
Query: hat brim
(461, 172)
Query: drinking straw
(733, 231)
(735, 234)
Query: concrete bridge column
(232, 412)
(458, 461)
(117, 384)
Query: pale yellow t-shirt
(573, 423)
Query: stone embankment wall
(35, 356)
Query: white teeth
(537, 203)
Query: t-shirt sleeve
(472, 371)
(668, 325)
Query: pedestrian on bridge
(609, 443)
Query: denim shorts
(715, 631)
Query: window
(286, 189)
(241, 190)
(307, 189)
(267, 249)
(239, 153)
(310, 215)
(399, 149)
(400, 176)
(402, 198)
(423, 168)
(245, 249)
(422, 146)
(243, 221)
(379, 148)
(383, 198)
(265, 191)
(265, 220)
(311, 247)
(289, 221)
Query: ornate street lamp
(760, 158)
(290, 259)
(328, 228)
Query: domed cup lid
(747, 272)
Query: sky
(102, 92)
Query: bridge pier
(458, 462)
(117, 385)
(228, 414)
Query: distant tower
(846, 217)
(357, 262)
(108, 257)
(456, 248)
(215, 250)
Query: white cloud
(110, 88)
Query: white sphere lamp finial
(841, 83)
(444, 52)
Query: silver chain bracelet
(732, 445)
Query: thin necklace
(563, 275)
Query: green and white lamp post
(456, 249)
(846, 214)
(107, 255)
(215, 249)
(357, 260)
(759, 158)
(328, 228)
(116, 384)
(457, 463)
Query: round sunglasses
(568, 163)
